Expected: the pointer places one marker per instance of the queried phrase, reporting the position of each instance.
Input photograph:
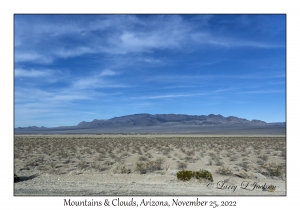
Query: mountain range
(164, 123)
(169, 120)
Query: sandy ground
(106, 165)
(142, 185)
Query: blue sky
(73, 68)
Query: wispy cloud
(160, 32)
(210, 77)
(19, 72)
(223, 90)
(217, 92)
(74, 52)
(240, 43)
(97, 80)
(144, 62)
(107, 72)
(259, 91)
(35, 57)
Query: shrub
(143, 158)
(119, 168)
(203, 174)
(82, 164)
(233, 158)
(245, 165)
(264, 157)
(187, 175)
(141, 167)
(274, 170)
(149, 166)
(154, 165)
(184, 175)
(181, 165)
(219, 162)
(260, 162)
(224, 171)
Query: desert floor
(122, 165)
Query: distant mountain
(31, 127)
(168, 120)
(165, 124)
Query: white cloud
(32, 57)
(223, 42)
(119, 34)
(108, 72)
(73, 52)
(32, 73)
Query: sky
(73, 68)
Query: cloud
(210, 77)
(107, 72)
(186, 95)
(63, 53)
(231, 42)
(32, 57)
(97, 80)
(73, 36)
(217, 92)
(19, 72)
(241, 43)
(260, 91)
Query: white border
(9, 8)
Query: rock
(173, 172)
(75, 173)
(238, 168)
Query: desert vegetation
(243, 157)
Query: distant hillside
(168, 120)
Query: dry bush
(245, 165)
(181, 165)
(219, 162)
(246, 175)
(104, 151)
(150, 166)
(149, 155)
(264, 157)
(274, 170)
(120, 168)
(224, 171)
(233, 158)
(82, 165)
(143, 158)
(260, 162)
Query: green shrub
(184, 175)
(203, 174)
(187, 175)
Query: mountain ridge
(145, 119)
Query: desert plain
(139, 165)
